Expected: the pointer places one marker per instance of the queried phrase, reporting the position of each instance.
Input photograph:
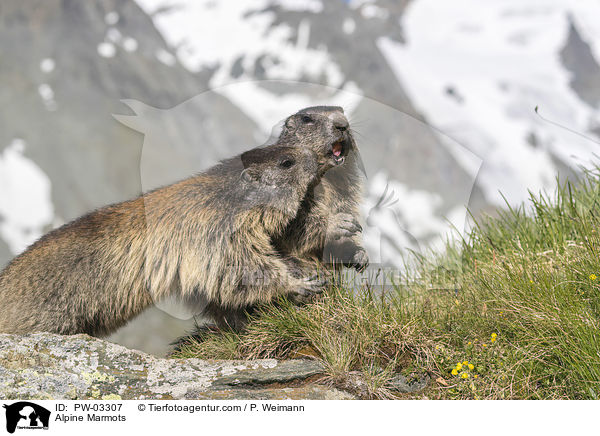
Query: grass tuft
(518, 300)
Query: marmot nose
(339, 120)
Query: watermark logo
(25, 415)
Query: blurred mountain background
(104, 99)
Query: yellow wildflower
(593, 277)
(454, 372)
(459, 366)
(494, 335)
(464, 375)
(469, 343)
(485, 345)
(493, 340)
(466, 362)
(475, 376)
(471, 366)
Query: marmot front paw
(344, 225)
(308, 289)
(360, 260)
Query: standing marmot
(204, 238)
(326, 228)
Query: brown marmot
(205, 238)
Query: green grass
(530, 276)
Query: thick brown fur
(202, 239)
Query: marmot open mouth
(338, 150)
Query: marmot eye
(306, 119)
(287, 163)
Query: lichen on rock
(50, 366)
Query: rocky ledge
(48, 366)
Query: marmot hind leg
(226, 318)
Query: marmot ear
(252, 160)
(290, 122)
(254, 156)
(249, 176)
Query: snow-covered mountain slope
(477, 70)
(25, 204)
(464, 90)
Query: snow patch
(165, 57)
(47, 93)
(47, 65)
(349, 26)
(111, 18)
(26, 210)
(233, 32)
(130, 44)
(303, 35)
(106, 49)
(372, 11)
(113, 35)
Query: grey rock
(578, 59)
(355, 383)
(49, 366)
(401, 384)
(285, 372)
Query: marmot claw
(310, 287)
(344, 225)
(360, 260)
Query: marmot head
(279, 176)
(323, 129)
